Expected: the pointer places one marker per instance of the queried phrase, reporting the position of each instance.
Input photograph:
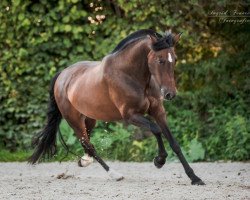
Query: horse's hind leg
(87, 159)
(77, 122)
(90, 124)
(82, 127)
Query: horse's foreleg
(160, 160)
(140, 121)
(176, 148)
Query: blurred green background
(210, 115)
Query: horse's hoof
(159, 162)
(85, 161)
(115, 175)
(198, 182)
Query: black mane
(163, 41)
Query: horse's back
(71, 73)
(81, 66)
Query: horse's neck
(135, 62)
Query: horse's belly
(94, 102)
(101, 112)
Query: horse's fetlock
(190, 173)
(163, 155)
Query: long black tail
(45, 142)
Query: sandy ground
(142, 181)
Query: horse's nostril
(168, 96)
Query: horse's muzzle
(168, 95)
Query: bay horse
(129, 83)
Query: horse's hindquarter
(88, 93)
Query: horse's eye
(161, 62)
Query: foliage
(7, 156)
(196, 151)
(231, 127)
(39, 38)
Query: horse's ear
(152, 41)
(177, 38)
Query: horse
(128, 84)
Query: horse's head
(161, 62)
